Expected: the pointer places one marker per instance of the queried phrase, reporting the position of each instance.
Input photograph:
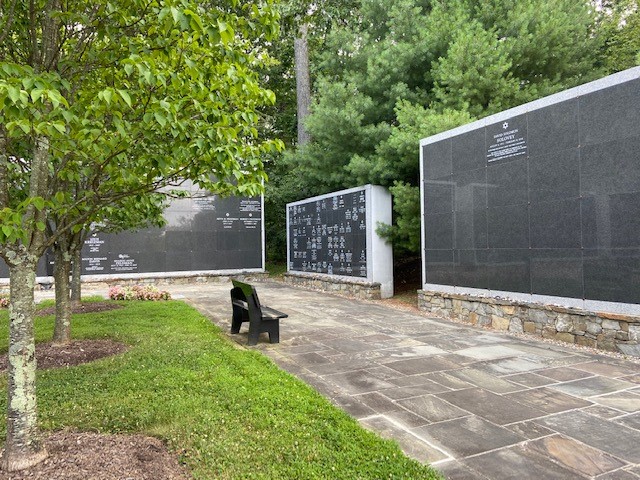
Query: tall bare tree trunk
(303, 83)
(24, 447)
(61, 271)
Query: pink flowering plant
(138, 292)
(4, 301)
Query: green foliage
(474, 76)
(319, 18)
(229, 412)
(405, 233)
(132, 212)
(403, 70)
(341, 125)
(620, 30)
(134, 96)
(100, 102)
(276, 269)
(395, 157)
(281, 189)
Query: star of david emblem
(505, 125)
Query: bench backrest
(249, 292)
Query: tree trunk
(61, 270)
(76, 271)
(303, 83)
(24, 446)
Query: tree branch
(4, 170)
(5, 28)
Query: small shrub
(138, 292)
(4, 301)
(116, 293)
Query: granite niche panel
(544, 198)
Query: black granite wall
(329, 235)
(544, 202)
(202, 233)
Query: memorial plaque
(123, 263)
(204, 204)
(507, 139)
(95, 255)
(554, 209)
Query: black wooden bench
(247, 308)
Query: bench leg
(271, 327)
(236, 323)
(274, 333)
(253, 336)
(237, 318)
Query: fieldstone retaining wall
(106, 281)
(173, 280)
(607, 331)
(356, 287)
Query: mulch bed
(93, 456)
(87, 307)
(74, 353)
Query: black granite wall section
(202, 233)
(545, 202)
(329, 235)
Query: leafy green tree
(123, 96)
(394, 164)
(131, 213)
(402, 70)
(305, 26)
(314, 19)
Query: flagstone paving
(476, 404)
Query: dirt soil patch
(84, 456)
(75, 353)
(87, 307)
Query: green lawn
(229, 412)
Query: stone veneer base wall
(606, 331)
(358, 288)
(150, 279)
(175, 280)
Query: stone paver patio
(474, 403)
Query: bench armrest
(240, 303)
